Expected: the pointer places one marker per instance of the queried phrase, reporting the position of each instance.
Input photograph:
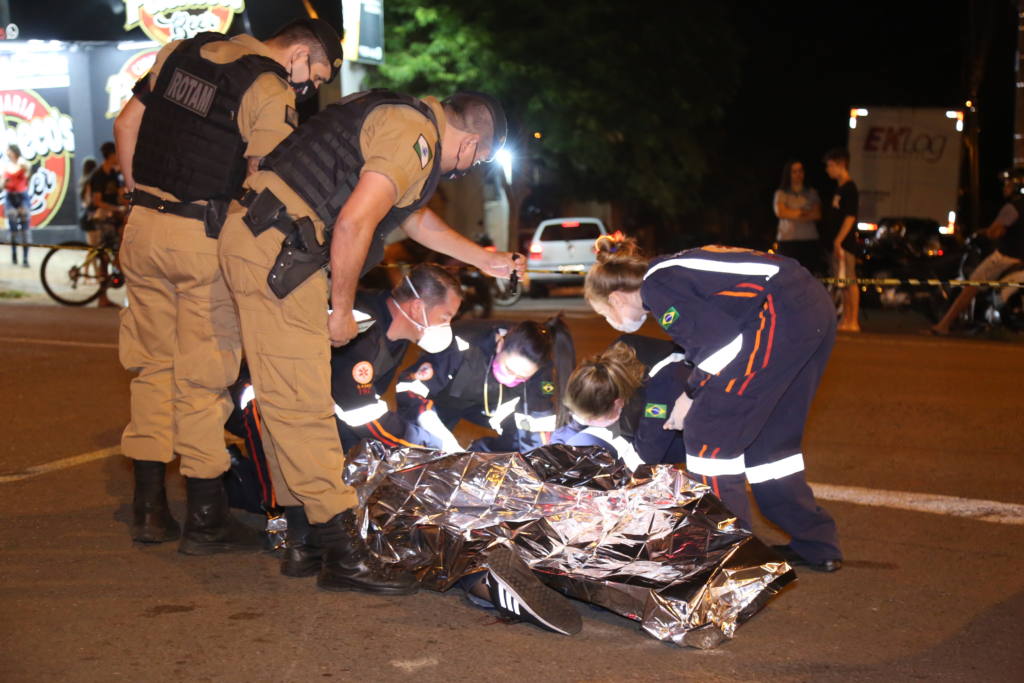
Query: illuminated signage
(47, 141)
(364, 31)
(167, 20)
(119, 85)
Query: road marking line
(971, 508)
(979, 510)
(60, 342)
(61, 464)
(411, 665)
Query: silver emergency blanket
(653, 546)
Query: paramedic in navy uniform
(758, 329)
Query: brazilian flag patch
(547, 388)
(669, 317)
(659, 411)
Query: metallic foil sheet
(654, 546)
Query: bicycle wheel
(502, 295)
(73, 273)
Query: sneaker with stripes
(519, 595)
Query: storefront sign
(167, 20)
(47, 141)
(119, 85)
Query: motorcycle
(910, 248)
(988, 310)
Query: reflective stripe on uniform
(248, 394)
(767, 270)
(660, 365)
(714, 363)
(776, 470)
(357, 417)
(501, 412)
(715, 467)
(548, 423)
(623, 448)
(417, 387)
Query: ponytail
(563, 360)
(601, 380)
(620, 267)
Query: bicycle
(75, 273)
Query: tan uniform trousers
(289, 354)
(180, 333)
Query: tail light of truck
(536, 250)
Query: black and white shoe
(517, 594)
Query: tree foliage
(623, 93)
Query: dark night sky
(805, 65)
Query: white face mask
(434, 338)
(628, 325)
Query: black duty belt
(184, 209)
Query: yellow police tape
(917, 282)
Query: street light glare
(504, 158)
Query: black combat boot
(349, 565)
(209, 526)
(301, 556)
(151, 518)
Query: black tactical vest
(189, 143)
(321, 160)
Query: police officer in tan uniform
(197, 124)
(328, 196)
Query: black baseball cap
(329, 39)
(461, 98)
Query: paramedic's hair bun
(612, 248)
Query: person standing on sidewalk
(16, 174)
(798, 208)
(107, 204)
(841, 231)
(198, 123)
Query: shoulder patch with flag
(291, 116)
(669, 317)
(422, 149)
(656, 410)
(547, 388)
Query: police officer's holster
(301, 253)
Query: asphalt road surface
(914, 443)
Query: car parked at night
(564, 246)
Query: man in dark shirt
(106, 190)
(840, 226)
(107, 205)
(1007, 230)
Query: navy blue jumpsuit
(643, 417)
(759, 330)
(457, 384)
(361, 372)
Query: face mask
(504, 378)
(628, 325)
(303, 89)
(457, 172)
(434, 338)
